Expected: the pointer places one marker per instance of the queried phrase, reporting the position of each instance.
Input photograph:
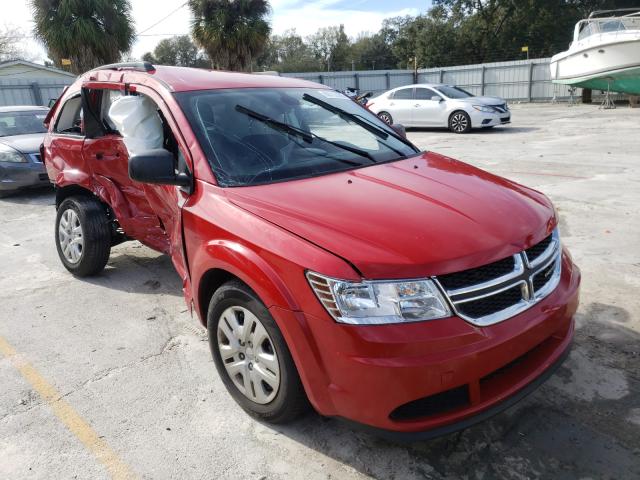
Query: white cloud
(310, 17)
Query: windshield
(22, 123)
(453, 92)
(259, 135)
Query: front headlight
(8, 154)
(484, 108)
(379, 302)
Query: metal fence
(524, 80)
(519, 80)
(31, 91)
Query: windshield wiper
(360, 120)
(306, 136)
(283, 127)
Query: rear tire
(83, 235)
(236, 316)
(6, 193)
(386, 117)
(460, 122)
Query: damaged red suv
(331, 261)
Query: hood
(482, 100)
(412, 218)
(29, 143)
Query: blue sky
(305, 16)
(383, 5)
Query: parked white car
(438, 105)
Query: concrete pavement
(134, 369)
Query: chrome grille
(492, 271)
(495, 292)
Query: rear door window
(403, 94)
(425, 94)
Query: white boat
(604, 54)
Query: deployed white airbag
(137, 120)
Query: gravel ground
(112, 377)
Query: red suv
(331, 261)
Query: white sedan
(437, 105)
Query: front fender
(245, 264)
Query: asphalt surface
(111, 377)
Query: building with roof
(28, 83)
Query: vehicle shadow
(35, 196)
(498, 130)
(135, 268)
(560, 431)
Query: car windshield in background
(258, 135)
(21, 123)
(454, 92)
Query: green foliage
(288, 53)
(496, 30)
(178, 51)
(88, 32)
(232, 32)
(331, 46)
(452, 32)
(371, 52)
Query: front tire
(83, 235)
(386, 117)
(252, 357)
(460, 122)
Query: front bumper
(15, 176)
(431, 376)
(483, 120)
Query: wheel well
(210, 282)
(72, 190)
(117, 235)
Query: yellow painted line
(68, 416)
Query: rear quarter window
(69, 120)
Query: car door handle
(105, 156)
(417, 105)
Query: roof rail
(136, 66)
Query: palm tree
(232, 32)
(87, 32)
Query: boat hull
(614, 66)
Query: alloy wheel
(70, 236)
(385, 118)
(248, 355)
(459, 122)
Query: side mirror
(399, 129)
(436, 98)
(157, 166)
